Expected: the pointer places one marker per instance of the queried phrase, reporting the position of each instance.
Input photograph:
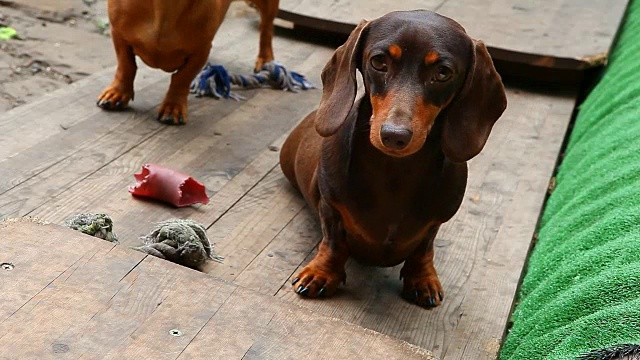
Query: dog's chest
(384, 238)
(391, 189)
(391, 214)
(388, 216)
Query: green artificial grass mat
(581, 291)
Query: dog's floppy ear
(339, 84)
(470, 118)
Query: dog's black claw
(441, 296)
(428, 302)
(167, 120)
(304, 291)
(118, 104)
(105, 104)
(411, 296)
(433, 301)
(181, 120)
(299, 290)
(295, 281)
(321, 292)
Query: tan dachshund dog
(386, 171)
(175, 36)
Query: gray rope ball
(181, 241)
(97, 225)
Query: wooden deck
(62, 155)
(92, 299)
(562, 34)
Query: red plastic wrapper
(173, 187)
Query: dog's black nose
(395, 137)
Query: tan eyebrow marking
(431, 57)
(395, 51)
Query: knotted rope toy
(181, 241)
(97, 225)
(215, 81)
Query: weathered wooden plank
(52, 153)
(186, 303)
(264, 329)
(200, 149)
(117, 303)
(76, 93)
(273, 266)
(547, 31)
(24, 127)
(538, 34)
(236, 188)
(101, 173)
(251, 224)
(41, 261)
(28, 189)
(106, 190)
(69, 300)
(125, 142)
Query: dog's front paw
(424, 291)
(318, 281)
(114, 98)
(173, 113)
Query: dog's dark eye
(379, 62)
(443, 74)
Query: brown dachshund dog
(175, 36)
(386, 171)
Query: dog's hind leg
(118, 94)
(268, 10)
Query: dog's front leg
(120, 91)
(174, 107)
(421, 282)
(323, 275)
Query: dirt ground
(59, 41)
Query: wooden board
(68, 295)
(102, 144)
(83, 159)
(565, 34)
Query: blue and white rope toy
(216, 81)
